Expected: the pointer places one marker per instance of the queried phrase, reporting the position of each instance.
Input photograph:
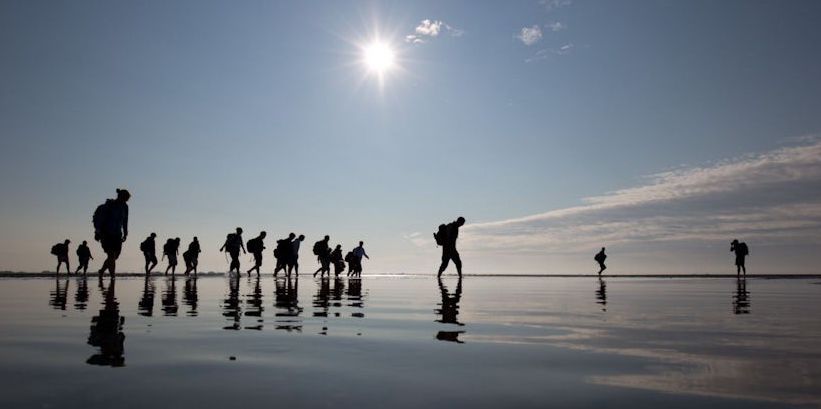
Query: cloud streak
(429, 29)
(773, 197)
(530, 35)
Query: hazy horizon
(659, 130)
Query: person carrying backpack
(61, 251)
(83, 256)
(600, 257)
(446, 237)
(149, 249)
(282, 253)
(256, 247)
(323, 254)
(358, 253)
(741, 252)
(170, 250)
(351, 260)
(292, 260)
(111, 228)
(191, 256)
(336, 259)
(233, 244)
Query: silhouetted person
(446, 237)
(449, 311)
(83, 256)
(59, 297)
(81, 296)
(111, 228)
(149, 249)
(358, 253)
(171, 249)
(233, 244)
(350, 259)
(282, 253)
(256, 246)
(190, 296)
(293, 257)
(322, 250)
(600, 257)
(601, 295)
(191, 257)
(741, 252)
(145, 306)
(741, 298)
(336, 260)
(107, 331)
(61, 251)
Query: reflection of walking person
(600, 257)
(741, 251)
(446, 237)
(111, 228)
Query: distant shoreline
(12, 274)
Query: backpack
(231, 242)
(168, 247)
(318, 248)
(743, 249)
(144, 247)
(254, 245)
(349, 257)
(441, 235)
(101, 216)
(55, 249)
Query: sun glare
(378, 57)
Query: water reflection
(286, 303)
(107, 330)
(190, 296)
(81, 296)
(230, 306)
(253, 303)
(169, 297)
(322, 297)
(145, 307)
(354, 296)
(448, 311)
(58, 298)
(601, 295)
(741, 298)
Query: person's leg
(458, 262)
(445, 261)
(59, 263)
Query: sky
(659, 129)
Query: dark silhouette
(741, 252)
(83, 256)
(145, 307)
(149, 249)
(61, 251)
(448, 311)
(293, 257)
(59, 296)
(81, 296)
(600, 257)
(322, 299)
(230, 306)
(233, 244)
(190, 296)
(111, 228)
(741, 298)
(191, 257)
(337, 261)
(282, 252)
(349, 258)
(601, 295)
(322, 250)
(253, 304)
(169, 297)
(107, 331)
(170, 250)
(354, 296)
(446, 237)
(336, 294)
(358, 253)
(256, 246)
(287, 304)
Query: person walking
(61, 251)
(83, 256)
(336, 260)
(600, 257)
(171, 249)
(446, 237)
(741, 252)
(111, 228)
(255, 246)
(292, 260)
(323, 254)
(282, 253)
(191, 256)
(358, 253)
(233, 244)
(149, 249)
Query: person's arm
(223, 247)
(242, 246)
(125, 223)
(365, 254)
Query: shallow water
(409, 342)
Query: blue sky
(261, 115)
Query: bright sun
(378, 57)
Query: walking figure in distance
(600, 257)
(83, 255)
(336, 260)
(351, 260)
(255, 246)
(292, 259)
(323, 254)
(149, 249)
(170, 249)
(191, 256)
(61, 251)
(358, 253)
(282, 252)
(741, 252)
(233, 244)
(446, 237)
(111, 228)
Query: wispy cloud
(544, 53)
(556, 26)
(530, 35)
(772, 197)
(551, 5)
(429, 29)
